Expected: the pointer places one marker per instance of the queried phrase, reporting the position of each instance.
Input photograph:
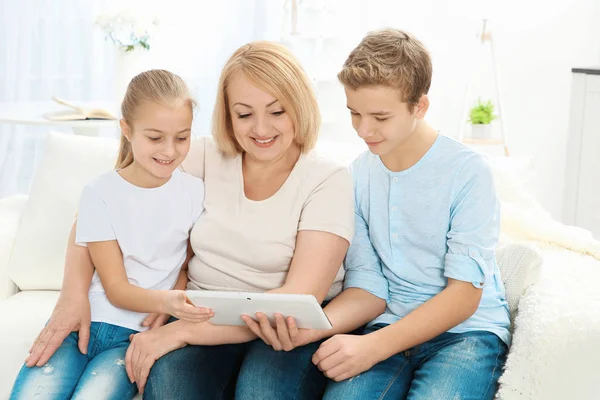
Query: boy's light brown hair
(393, 58)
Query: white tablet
(230, 306)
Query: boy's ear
(125, 129)
(422, 107)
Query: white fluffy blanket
(556, 344)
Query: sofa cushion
(11, 210)
(68, 163)
(23, 316)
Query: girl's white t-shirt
(151, 226)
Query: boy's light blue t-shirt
(438, 219)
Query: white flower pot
(481, 131)
(128, 65)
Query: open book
(77, 113)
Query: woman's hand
(155, 320)
(145, 349)
(69, 315)
(177, 304)
(286, 335)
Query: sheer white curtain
(52, 47)
(196, 39)
(48, 47)
(322, 33)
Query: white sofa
(34, 230)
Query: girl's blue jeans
(99, 374)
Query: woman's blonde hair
(272, 68)
(157, 85)
(392, 58)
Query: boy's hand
(177, 304)
(344, 356)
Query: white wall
(537, 42)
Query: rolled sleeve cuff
(467, 268)
(370, 282)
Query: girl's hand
(177, 304)
(285, 336)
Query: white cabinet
(582, 177)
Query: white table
(31, 113)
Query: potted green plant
(481, 116)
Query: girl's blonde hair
(157, 85)
(273, 69)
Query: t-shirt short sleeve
(330, 206)
(194, 161)
(93, 222)
(197, 195)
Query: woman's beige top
(245, 245)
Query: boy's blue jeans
(451, 366)
(70, 374)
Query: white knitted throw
(555, 352)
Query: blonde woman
(277, 219)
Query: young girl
(135, 222)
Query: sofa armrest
(556, 343)
(11, 210)
(519, 264)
